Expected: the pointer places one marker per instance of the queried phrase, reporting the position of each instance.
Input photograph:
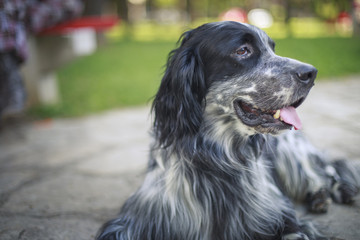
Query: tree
(123, 10)
(355, 18)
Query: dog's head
(227, 77)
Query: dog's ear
(178, 104)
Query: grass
(127, 72)
(124, 73)
(333, 57)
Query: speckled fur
(211, 175)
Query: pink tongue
(290, 116)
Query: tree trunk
(122, 9)
(149, 8)
(188, 9)
(287, 4)
(356, 20)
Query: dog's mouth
(284, 117)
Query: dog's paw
(343, 192)
(295, 236)
(319, 201)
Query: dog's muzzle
(280, 115)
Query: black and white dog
(224, 165)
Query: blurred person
(18, 18)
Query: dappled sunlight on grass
(148, 32)
(309, 28)
(313, 28)
(277, 30)
(298, 28)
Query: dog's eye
(243, 51)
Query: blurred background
(77, 79)
(111, 53)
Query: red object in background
(98, 23)
(343, 17)
(234, 14)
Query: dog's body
(216, 169)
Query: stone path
(60, 179)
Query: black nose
(306, 74)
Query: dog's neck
(205, 153)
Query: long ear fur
(178, 103)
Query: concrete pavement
(61, 179)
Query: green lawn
(333, 57)
(127, 72)
(120, 74)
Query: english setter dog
(224, 163)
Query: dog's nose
(306, 74)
